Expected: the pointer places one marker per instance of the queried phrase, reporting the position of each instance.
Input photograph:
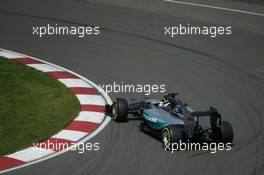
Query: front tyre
(226, 132)
(119, 110)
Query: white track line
(44, 67)
(9, 55)
(31, 153)
(71, 82)
(70, 135)
(87, 116)
(215, 7)
(91, 100)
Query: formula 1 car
(173, 120)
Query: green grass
(33, 106)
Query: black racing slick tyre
(226, 132)
(119, 110)
(172, 134)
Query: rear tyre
(172, 134)
(226, 132)
(119, 110)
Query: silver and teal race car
(173, 120)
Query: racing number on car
(152, 119)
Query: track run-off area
(226, 72)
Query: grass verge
(33, 106)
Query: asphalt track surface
(226, 72)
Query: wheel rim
(114, 111)
(166, 137)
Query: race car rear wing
(215, 120)
(211, 112)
